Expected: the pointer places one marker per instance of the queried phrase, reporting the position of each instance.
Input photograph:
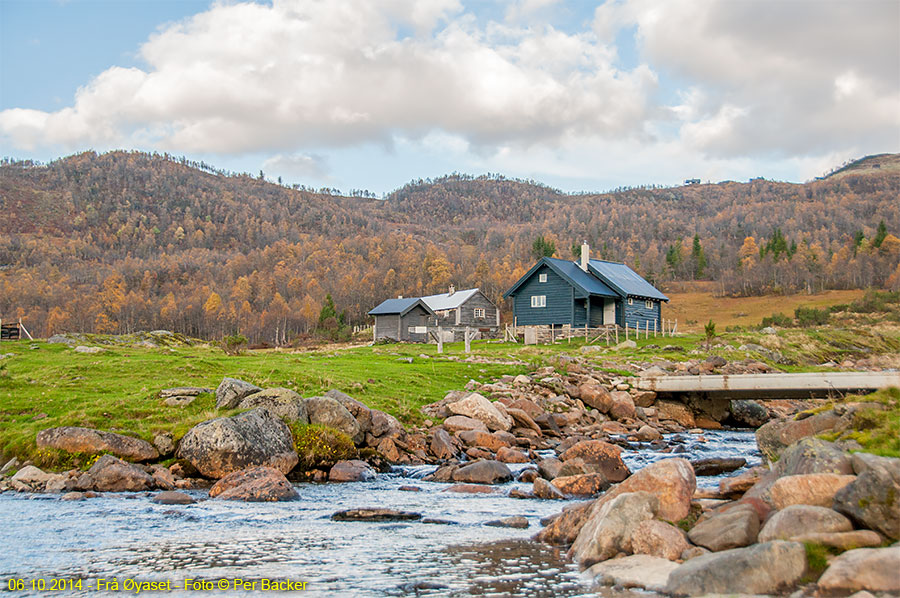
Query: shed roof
(584, 283)
(448, 301)
(398, 306)
(624, 279)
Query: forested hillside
(125, 241)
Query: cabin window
(542, 277)
(648, 304)
(479, 312)
(630, 301)
(539, 301)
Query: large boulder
(32, 479)
(231, 391)
(87, 440)
(329, 412)
(817, 489)
(858, 538)
(767, 568)
(477, 407)
(672, 481)
(111, 474)
(541, 488)
(442, 445)
(659, 539)
(221, 446)
(873, 499)
(255, 484)
(677, 412)
(635, 571)
(587, 484)
(748, 413)
(608, 531)
(356, 408)
(384, 424)
(461, 423)
(594, 395)
(813, 455)
(797, 520)
(491, 442)
(282, 402)
(778, 434)
(483, 472)
(600, 457)
(869, 569)
(622, 405)
(734, 528)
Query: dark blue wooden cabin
(593, 292)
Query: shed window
(539, 301)
(648, 304)
(630, 301)
(542, 277)
(479, 312)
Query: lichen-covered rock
(483, 472)
(231, 391)
(545, 490)
(733, 528)
(595, 396)
(797, 520)
(660, 539)
(748, 413)
(873, 499)
(353, 470)
(357, 409)
(223, 445)
(111, 474)
(329, 412)
(817, 489)
(601, 457)
(254, 484)
(583, 485)
(608, 531)
(767, 568)
(778, 434)
(73, 439)
(870, 569)
(813, 455)
(282, 402)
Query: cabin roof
(444, 301)
(624, 280)
(398, 306)
(572, 273)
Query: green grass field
(45, 385)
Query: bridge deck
(771, 386)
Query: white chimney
(451, 291)
(399, 296)
(585, 255)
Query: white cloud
(298, 166)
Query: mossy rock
(320, 447)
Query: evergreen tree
(698, 257)
(880, 235)
(542, 248)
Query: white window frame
(542, 277)
(539, 301)
(631, 301)
(648, 304)
(478, 312)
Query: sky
(370, 94)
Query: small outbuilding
(458, 310)
(402, 319)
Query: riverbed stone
(442, 445)
(487, 440)
(859, 538)
(375, 514)
(483, 472)
(872, 500)
(168, 497)
(477, 407)
(111, 474)
(635, 571)
(359, 410)
(73, 439)
(545, 490)
(588, 484)
(384, 424)
(675, 411)
(778, 434)
(659, 539)
(594, 395)
(767, 568)
(734, 528)
(471, 489)
(516, 522)
(231, 391)
(329, 412)
(816, 489)
(748, 413)
(813, 455)
(870, 569)
(510, 455)
(254, 484)
(717, 465)
(601, 457)
(282, 402)
(608, 531)
(223, 445)
(647, 433)
(797, 520)
(352, 470)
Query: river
(127, 537)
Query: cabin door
(609, 312)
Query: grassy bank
(44, 385)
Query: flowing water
(127, 537)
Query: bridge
(771, 386)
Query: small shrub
(320, 447)
(816, 560)
(710, 330)
(779, 319)
(233, 344)
(810, 316)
